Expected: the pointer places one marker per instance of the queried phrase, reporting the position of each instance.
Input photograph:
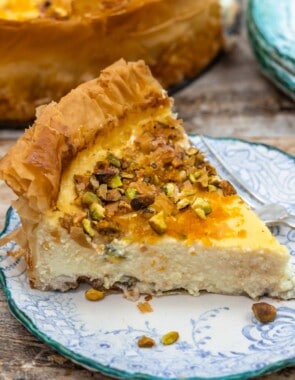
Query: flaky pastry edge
(33, 167)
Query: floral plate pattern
(219, 337)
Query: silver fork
(271, 213)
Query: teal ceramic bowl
(271, 31)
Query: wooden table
(231, 99)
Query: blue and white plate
(219, 337)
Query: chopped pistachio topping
(102, 191)
(145, 342)
(181, 176)
(127, 175)
(182, 203)
(158, 223)
(264, 312)
(197, 174)
(97, 211)
(115, 181)
(94, 182)
(157, 175)
(94, 295)
(214, 180)
(115, 161)
(131, 193)
(141, 202)
(200, 213)
(192, 151)
(89, 197)
(169, 189)
(192, 178)
(203, 204)
(212, 188)
(156, 179)
(87, 227)
(170, 338)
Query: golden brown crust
(69, 126)
(177, 40)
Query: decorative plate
(219, 337)
(271, 30)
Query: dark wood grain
(230, 99)
(234, 99)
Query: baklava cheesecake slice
(112, 192)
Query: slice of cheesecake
(112, 192)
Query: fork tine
(235, 179)
(285, 222)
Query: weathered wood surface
(231, 99)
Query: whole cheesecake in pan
(49, 47)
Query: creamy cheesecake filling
(166, 266)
